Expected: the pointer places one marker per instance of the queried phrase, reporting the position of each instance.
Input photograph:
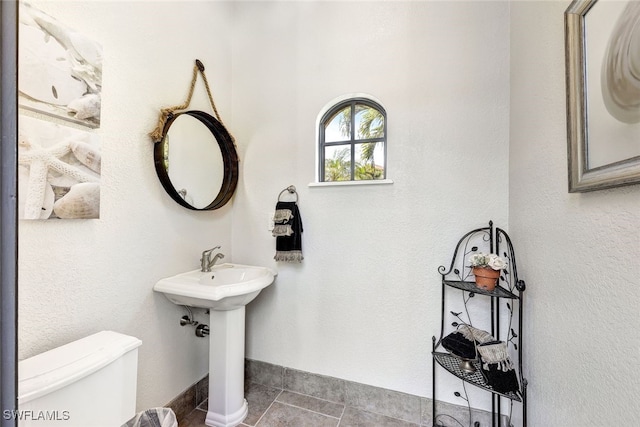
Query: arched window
(353, 142)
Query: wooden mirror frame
(229, 157)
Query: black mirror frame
(229, 157)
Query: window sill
(350, 183)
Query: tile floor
(274, 407)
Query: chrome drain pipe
(187, 319)
(202, 330)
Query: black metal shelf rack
(508, 295)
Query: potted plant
(486, 268)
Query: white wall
(365, 302)
(578, 252)
(77, 277)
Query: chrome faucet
(206, 262)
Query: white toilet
(87, 383)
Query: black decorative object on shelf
(499, 312)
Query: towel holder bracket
(291, 189)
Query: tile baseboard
(403, 406)
(183, 404)
(390, 403)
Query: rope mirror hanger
(168, 112)
(215, 126)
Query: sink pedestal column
(227, 405)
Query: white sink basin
(226, 287)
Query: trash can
(155, 417)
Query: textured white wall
(578, 252)
(365, 302)
(77, 277)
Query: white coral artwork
(60, 70)
(59, 171)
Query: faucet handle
(208, 251)
(206, 259)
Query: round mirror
(196, 161)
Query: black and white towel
(288, 232)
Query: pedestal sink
(225, 291)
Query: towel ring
(291, 189)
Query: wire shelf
(452, 364)
(499, 291)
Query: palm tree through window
(353, 141)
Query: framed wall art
(602, 54)
(60, 69)
(59, 171)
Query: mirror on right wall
(196, 161)
(602, 47)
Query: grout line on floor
(344, 408)
(314, 397)
(338, 419)
(267, 410)
(307, 409)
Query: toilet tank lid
(56, 368)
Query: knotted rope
(167, 113)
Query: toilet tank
(90, 382)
